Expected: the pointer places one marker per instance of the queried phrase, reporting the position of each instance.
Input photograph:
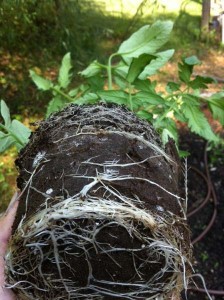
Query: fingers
(6, 222)
(6, 294)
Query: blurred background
(35, 34)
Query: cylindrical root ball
(99, 216)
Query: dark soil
(208, 252)
(59, 152)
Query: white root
(38, 232)
(54, 231)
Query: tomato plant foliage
(127, 78)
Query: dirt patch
(208, 252)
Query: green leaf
(190, 99)
(143, 114)
(157, 63)
(56, 104)
(73, 92)
(149, 98)
(145, 85)
(200, 82)
(172, 87)
(178, 114)
(41, 83)
(93, 69)
(147, 40)
(121, 82)
(185, 71)
(64, 77)
(183, 153)
(6, 141)
(96, 83)
(192, 60)
(197, 122)
(168, 129)
(119, 97)
(122, 70)
(5, 114)
(138, 65)
(216, 104)
(89, 98)
(21, 131)
(185, 68)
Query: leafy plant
(128, 84)
(12, 132)
(126, 77)
(60, 98)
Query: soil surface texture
(208, 251)
(88, 153)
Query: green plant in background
(12, 132)
(127, 78)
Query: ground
(208, 252)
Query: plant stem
(62, 94)
(130, 96)
(12, 134)
(109, 71)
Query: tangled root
(75, 227)
(119, 231)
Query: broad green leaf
(200, 82)
(216, 104)
(121, 82)
(185, 71)
(93, 69)
(122, 70)
(138, 65)
(145, 85)
(21, 131)
(6, 141)
(197, 122)
(172, 87)
(64, 77)
(55, 104)
(149, 98)
(157, 63)
(191, 99)
(41, 83)
(192, 60)
(147, 40)
(119, 97)
(5, 114)
(89, 98)
(185, 68)
(178, 114)
(96, 83)
(73, 92)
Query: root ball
(100, 216)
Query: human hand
(6, 221)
